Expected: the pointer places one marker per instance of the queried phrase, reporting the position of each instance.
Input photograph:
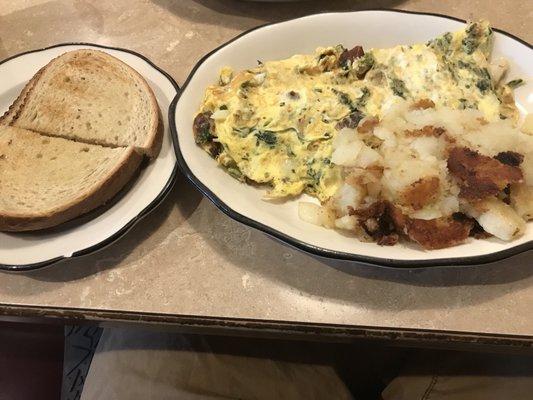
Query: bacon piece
(480, 176)
(350, 55)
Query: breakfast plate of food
(383, 137)
(85, 150)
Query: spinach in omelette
(274, 124)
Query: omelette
(275, 123)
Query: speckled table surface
(187, 263)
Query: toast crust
(154, 139)
(98, 195)
(14, 109)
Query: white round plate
(30, 250)
(383, 28)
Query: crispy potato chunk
(433, 233)
(422, 104)
(427, 130)
(377, 223)
(480, 176)
(420, 193)
(367, 124)
(511, 158)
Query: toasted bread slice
(45, 181)
(92, 97)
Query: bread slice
(45, 181)
(92, 97)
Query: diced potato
(449, 205)
(398, 176)
(348, 196)
(496, 137)
(315, 214)
(522, 200)
(367, 157)
(347, 222)
(527, 168)
(259, 78)
(427, 213)
(500, 220)
(388, 137)
(344, 137)
(407, 158)
(421, 118)
(346, 155)
(350, 151)
(428, 146)
(527, 126)
(219, 115)
(346, 148)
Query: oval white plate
(25, 251)
(276, 41)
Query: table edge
(263, 328)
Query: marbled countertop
(187, 258)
